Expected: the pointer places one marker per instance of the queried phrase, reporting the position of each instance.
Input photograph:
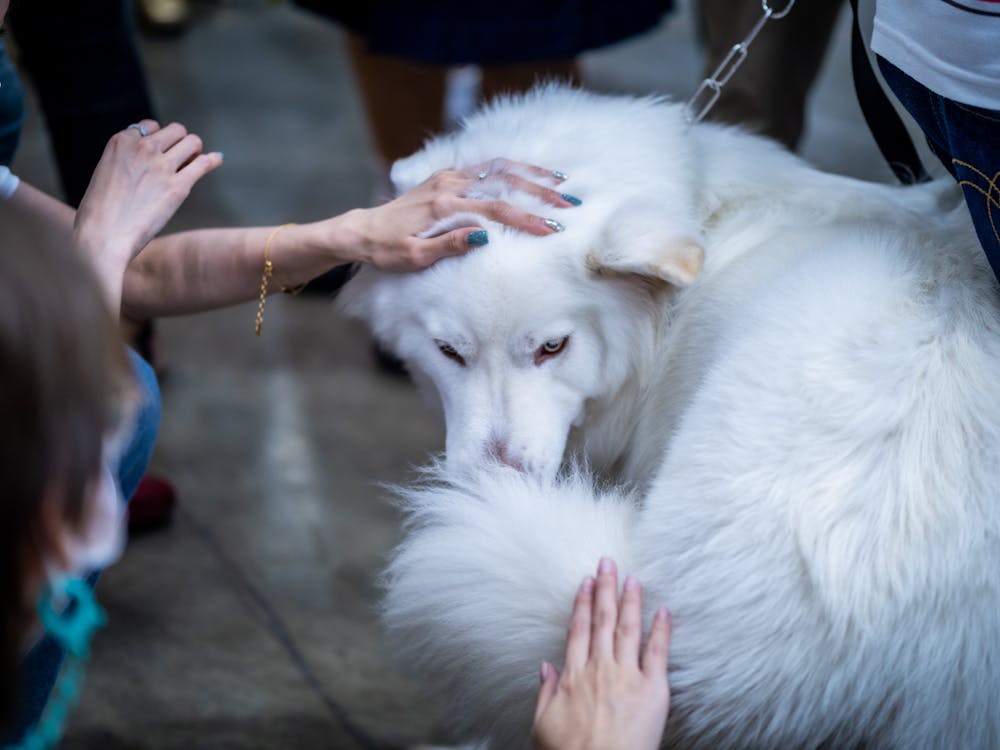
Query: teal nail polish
(477, 238)
(572, 199)
(554, 225)
(223, 157)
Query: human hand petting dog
(605, 698)
(388, 236)
(144, 175)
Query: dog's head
(516, 340)
(522, 340)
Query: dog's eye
(449, 351)
(550, 349)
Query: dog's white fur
(810, 430)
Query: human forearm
(40, 220)
(205, 269)
(36, 211)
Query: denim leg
(40, 667)
(135, 457)
(11, 107)
(973, 133)
(965, 139)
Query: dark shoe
(152, 505)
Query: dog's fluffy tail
(480, 590)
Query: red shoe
(152, 505)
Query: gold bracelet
(266, 276)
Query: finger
(149, 126)
(605, 617)
(550, 682)
(628, 634)
(185, 150)
(550, 196)
(503, 212)
(549, 174)
(199, 167)
(455, 242)
(500, 166)
(166, 137)
(657, 651)
(578, 638)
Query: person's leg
(404, 100)
(768, 93)
(11, 107)
(83, 61)
(40, 667)
(965, 139)
(135, 458)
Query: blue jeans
(967, 141)
(11, 107)
(41, 665)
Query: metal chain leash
(711, 88)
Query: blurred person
(768, 94)
(940, 59)
(65, 391)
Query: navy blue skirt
(449, 32)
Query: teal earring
(72, 626)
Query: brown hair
(63, 372)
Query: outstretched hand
(139, 183)
(606, 698)
(388, 236)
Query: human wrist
(346, 237)
(105, 252)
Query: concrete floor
(250, 622)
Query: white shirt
(950, 46)
(8, 183)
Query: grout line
(278, 629)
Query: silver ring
(482, 175)
(140, 127)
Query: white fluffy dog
(795, 377)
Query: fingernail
(561, 176)
(477, 238)
(662, 615)
(554, 225)
(543, 671)
(588, 585)
(631, 583)
(607, 565)
(572, 199)
(223, 157)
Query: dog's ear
(677, 261)
(643, 243)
